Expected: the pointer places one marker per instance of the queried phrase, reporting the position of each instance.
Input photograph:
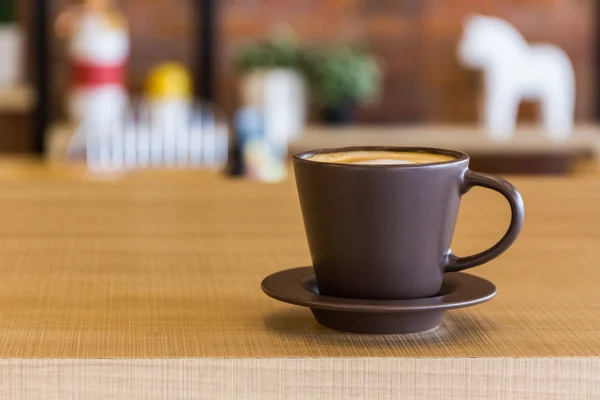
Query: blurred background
(396, 71)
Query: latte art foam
(382, 157)
(383, 161)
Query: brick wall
(414, 39)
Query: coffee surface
(383, 157)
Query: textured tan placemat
(169, 265)
(301, 379)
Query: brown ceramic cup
(384, 231)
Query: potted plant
(341, 79)
(271, 79)
(11, 42)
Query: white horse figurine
(515, 70)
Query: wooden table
(529, 151)
(148, 287)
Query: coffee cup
(379, 220)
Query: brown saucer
(298, 286)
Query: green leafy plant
(339, 76)
(7, 11)
(342, 76)
(275, 52)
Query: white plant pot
(281, 93)
(11, 51)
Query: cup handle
(470, 179)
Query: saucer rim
(468, 290)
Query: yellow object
(169, 81)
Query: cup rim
(459, 156)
